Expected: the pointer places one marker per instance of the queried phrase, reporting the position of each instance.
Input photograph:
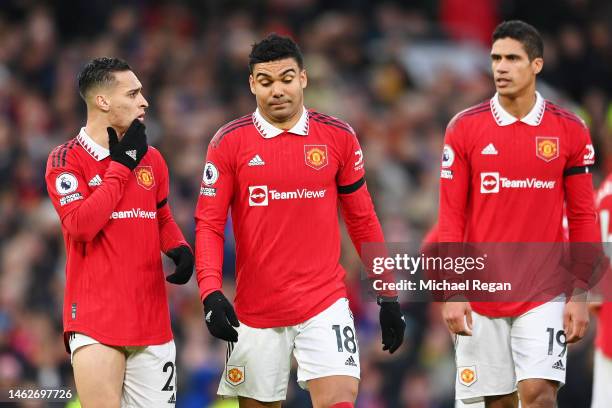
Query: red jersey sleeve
(352, 169)
(581, 215)
(83, 215)
(454, 185)
(216, 193)
(170, 235)
(580, 208)
(356, 205)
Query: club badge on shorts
(144, 176)
(547, 148)
(467, 375)
(234, 374)
(315, 156)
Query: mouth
(278, 104)
(141, 117)
(502, 82)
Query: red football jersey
(506, 180)
(115, 222)
(604, 327)
(283, 188)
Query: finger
(232, 335)
(231, 316)
(566, 322)
(399, 339)
(571, 332)
(469, 321)
(112, 137)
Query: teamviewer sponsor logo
(258, 196)
(133, 213)
(489, 182)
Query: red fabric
(604, 327)
(363, 227)
(515, 214)
(470, 20)
(115, 288)
(288, 247)
(343, 405)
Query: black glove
(220, 317)
(392, 324)
(132, 147)
(183, 259)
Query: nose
(143, 102)
(502, 66)
(277, 90)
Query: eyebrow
(285, 72)
(134, 90)
(495, 55)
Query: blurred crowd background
(397, 71)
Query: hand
(575, 320)
(132, 147)
(392, 325)
(456, 315)
(220, 317)
(183, 259)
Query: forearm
(87, 219)
(170, 235)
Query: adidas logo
(559, 365)
(132, 154)
(96, 181)
(350, 362)
(208, 316)
(172, 399)
(489, 149)
(256, 161)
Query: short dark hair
(524, 33)
(99, 71)
(273, 48)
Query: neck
(286, 124)
(96, 129)
(519, 105)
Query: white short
(503, 351)
(150, 375)
(258, 364)
(602, 380)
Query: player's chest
(140, 189)
(288, 162)
(518, 151)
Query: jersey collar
(95, 150)
(503, 118)
(268, 130)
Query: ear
(102, 102)
(252, 84)
(537, 64)
(303, 78)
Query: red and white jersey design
(115, 222)
(604, 208)
(506, 180)
(283, 188)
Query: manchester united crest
(316, 156)
(467, 375)
(144, 176)
(235, 374)
(547, 148)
